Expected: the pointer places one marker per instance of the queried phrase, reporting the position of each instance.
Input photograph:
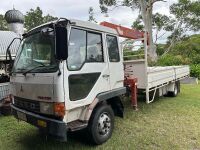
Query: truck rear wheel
(101, 124)
(175, 92)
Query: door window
(77, 49)
(113, 49)
(84, 46)
(94, 47)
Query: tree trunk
(146, 11)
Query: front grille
(26, 104)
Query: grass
(168, 123)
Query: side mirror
(61, 43)
(9, 60)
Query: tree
(35, 18)
(48, 18)
(187, 12)
(138, 24)
(187, 18)
(91, 15)
(3, 23)
(146, 9)
(159, 23)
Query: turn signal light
(59, 109)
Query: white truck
(74, 77)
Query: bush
(189, 47)
(160, 49)
(196, 59)
(170, 60)
(185, 52)
(195, 70)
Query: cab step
(77, 125)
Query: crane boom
(124, 31)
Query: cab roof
(79, 23)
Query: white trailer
(164, 80)
(75, 76)
(157, 80)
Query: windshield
(37, 53)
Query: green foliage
(160, 22)
(160, 49)
(187, 12)
(138, 24)
(188, 48)
(195, 70)
(35, 18)
(185, 52)
(48, 18)
(104, 4)
(3, 23)
(187, 18)
(170, 60)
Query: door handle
(105, 76)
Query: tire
(101, 124)
(175, 92)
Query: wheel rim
(104, 124)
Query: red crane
(124, 31)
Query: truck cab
(68, 75)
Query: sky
(78, 9)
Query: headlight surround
(47, 108)
(57, 109)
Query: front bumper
(50, 126)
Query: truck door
(87, 67)
(115, 62)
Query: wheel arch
(117, 106)
(111, 98)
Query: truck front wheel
(101, 124)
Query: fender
(112, 98)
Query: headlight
(57, 109)
(47, 108)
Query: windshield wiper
(39, 63)
(31, 69)
(45, 67)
